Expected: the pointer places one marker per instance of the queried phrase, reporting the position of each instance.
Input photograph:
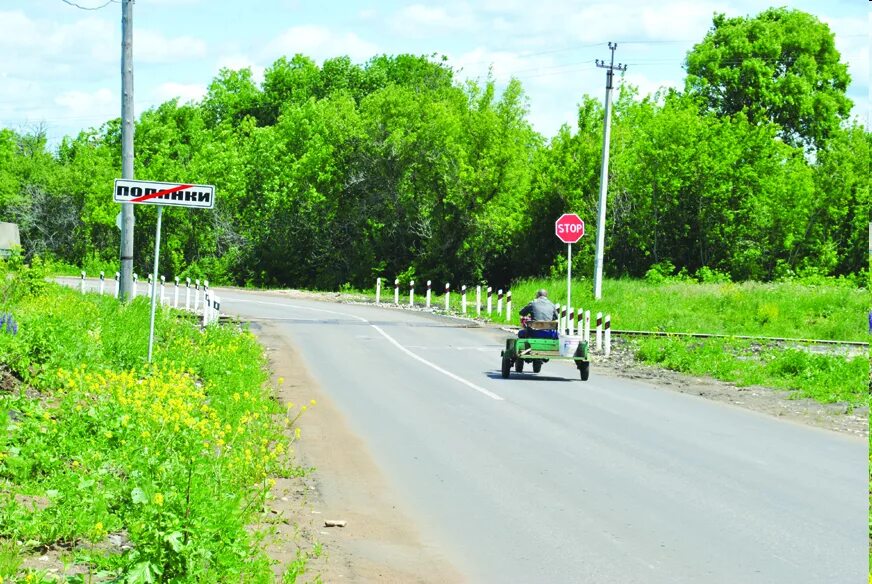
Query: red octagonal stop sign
(569, 228)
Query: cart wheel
(537, 365)
(584, 370)
(519, 365)
(507, 366)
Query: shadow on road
(526, 377)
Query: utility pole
(604, 174)
(127, 129)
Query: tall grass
(174, 457)
(750, 308)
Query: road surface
(544, 478)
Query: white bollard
(205, 307)
(82, 283)
(569, 321)
(447, 296)
(586, 325)
(411, 293)
(500, 302)
(397, 291)
(509, 306)
(216, 307)
(490, 302)
(578, 330)
(135, 280)
(478, 300)
(563, 327)
(378, 291)
(559, 324)
(463, 299)
(187, 294)
(102, 282)
(608, 334)
(163, 281)
(176, 294)
(196, 294)
(427, 302)
(599, 331)
(117, 277)
(150, 285)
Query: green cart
(536, 351)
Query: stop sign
(569, 228)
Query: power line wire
(80, 7)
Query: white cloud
(319, 43)
(88, 106)
(153, 47)
(184, 91)
(419, 20)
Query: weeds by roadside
(144, 472)
(824, 378)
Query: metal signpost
(569, 228)
(162, 194)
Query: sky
(60, 65)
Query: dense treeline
(337, 173)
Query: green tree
(780, 66)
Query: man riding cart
(539, 340)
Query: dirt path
(379, 543)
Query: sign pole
(568, 275)
(154, 288)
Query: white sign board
(163, 193)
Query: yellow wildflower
(281, 380)
(313, 402)
(158, 499)
(297, 433)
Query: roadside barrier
(211, 303)
(599, 331)
(571, 320)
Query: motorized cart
(540, 343)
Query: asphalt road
(544, 478)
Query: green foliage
(824, 378)
(175, 456)
(679, 305)
(781, 66)
(337, 173)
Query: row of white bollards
(488, 305)
(571, 321)
(211, 303)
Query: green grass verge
(750, 308)
(824, 378)
(173, 458)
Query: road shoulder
(378, 543)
